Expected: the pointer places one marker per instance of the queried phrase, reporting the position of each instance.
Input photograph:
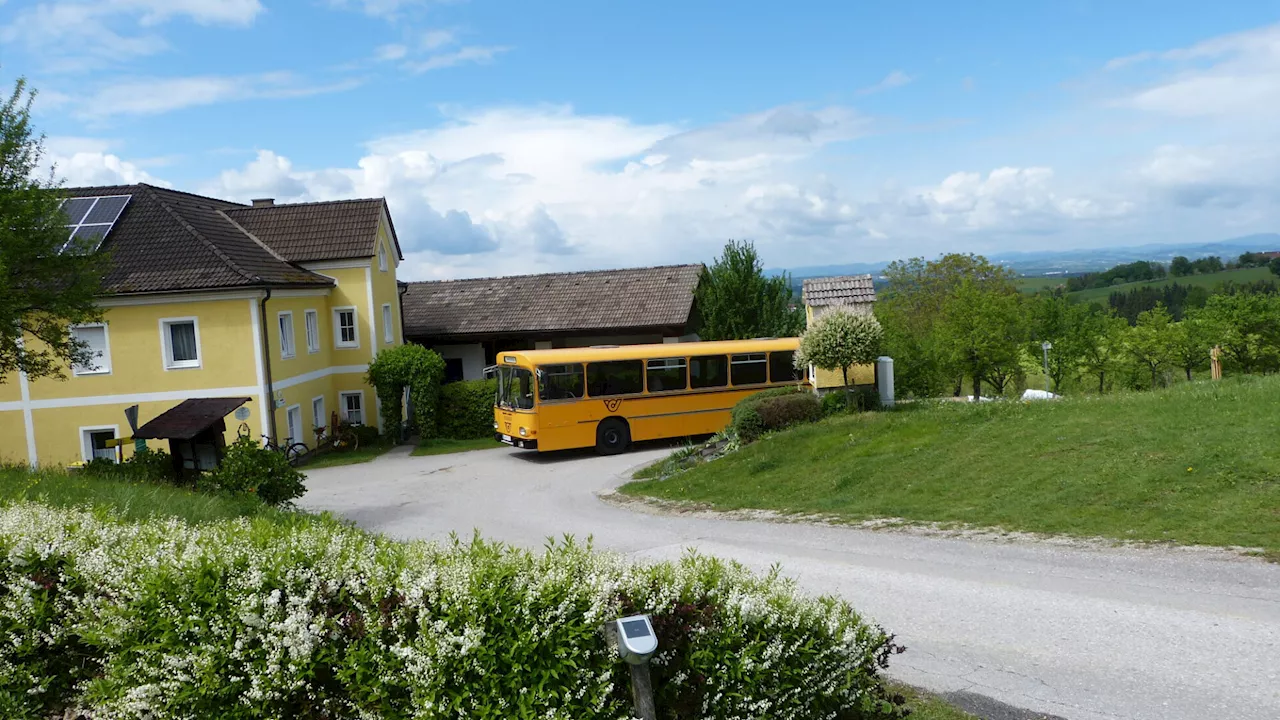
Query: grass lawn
(925, 706)
(1210, 281)
(128, 500)
(333, 459)
(1036, 283)
(444, 446)
(1198, 463)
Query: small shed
(195, 430)
(855, 293)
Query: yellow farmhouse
(855, 293)
(283, 304)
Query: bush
(250, 467)
(146, 465)
(237, 620)
(409, 366)
(834, 403)
(783, 412)
(745, 417)
(466, 409)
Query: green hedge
(313, 619)
(466, 409)
(745, 418)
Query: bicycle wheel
(295, 452)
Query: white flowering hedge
(257, 619)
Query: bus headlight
(495, 426)
(524, 432)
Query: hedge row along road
(1079, 632)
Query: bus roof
(534, 358)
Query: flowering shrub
(250, 619)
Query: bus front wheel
(612, 436)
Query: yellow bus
(607, 397)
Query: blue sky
(523, 137)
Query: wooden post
(642, 692)
(1215, 363)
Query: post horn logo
(613, 404)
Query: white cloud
(897, 78)
(81, 161)
(436, 39)
(1224, 77)
(467, 54)
(515, 190)
(392, 51)
(71, 35)
(151, 96)
(387, 9)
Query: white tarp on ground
(1038, 395)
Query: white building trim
(86, 450)
(135, 398)
(317, 374)
(27, 423)
(261, 392)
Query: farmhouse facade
(282, 304)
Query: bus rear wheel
(612, 436)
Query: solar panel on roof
(89, 219)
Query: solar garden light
(1046, 346)
(636, 644)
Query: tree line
(961, 320)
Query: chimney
(264, 202)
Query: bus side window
(615, 377)
(782, 367)
(749, 369)
(708, 371)
(667, 374)
(560, 382)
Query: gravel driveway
(1078, 632)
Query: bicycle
(293, 452)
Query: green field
(1031, 284)
(444, 446)
(1194, 464)
(1210, 281)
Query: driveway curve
(1079, 632)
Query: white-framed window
(382, 256)
(95, 336)
(318, 417)
(346, 333)
(311, 319)
(287, 348)
(93, 442)
(180, 339)
(351, 405)
(293, 419)
(388, 330)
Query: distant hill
(1068, 262)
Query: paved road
(1080, 633)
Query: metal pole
(1045, 346)
(642, 692)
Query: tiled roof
(846, 290)
(189, 418)
(555, 302)
(306, 232)
(167, 240)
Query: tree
(1101, 338)
(1247, 327)
(44, 287)
(736, 301)
(1190, 343)
(911, 310)
(839, 339)
(1054, 319)
(1151, 343)
(983, 332)
(1274, 265)
(1181, 267)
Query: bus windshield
(515, 388)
